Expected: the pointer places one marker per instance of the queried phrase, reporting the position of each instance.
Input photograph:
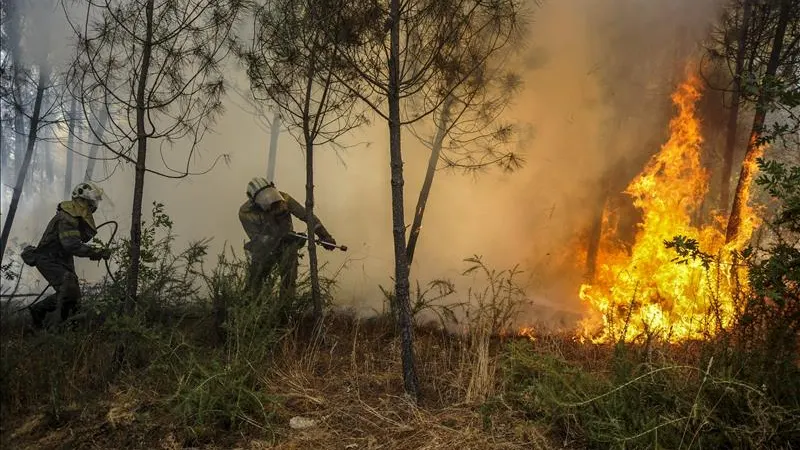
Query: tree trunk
(733, 115)
(410, 380)
(5, 152)
(47, 154)
(70, 153)
(313, 266)
(97, 142)
(309, 136)
(595, 233)
(754, 150)
(433, 160)
(141, 155)
(44, 77)
(34, 173)
(19, 123)
(13, 35)
(5, 157)
(274, 132)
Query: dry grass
(550, 392)
(349, 383)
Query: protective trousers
(61, 276)
(284, 257)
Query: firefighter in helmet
(266, 217)
(64, 238)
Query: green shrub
(213, 395)
(225, 391)
(168, 279)
(643, 405)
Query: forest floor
(349, 386)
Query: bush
(201, 388)
(212, 395)
(645, 405)
(226, 391)
(168, 280)
(768, 330)
(57, 369)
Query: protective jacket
(267, 229)
(67, 233)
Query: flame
(646, 291)
(748, 220)
(528, 332)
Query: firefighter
(266, 217)
(64, 238)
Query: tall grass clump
(489, 313)
(224, 389)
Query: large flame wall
(644, 290)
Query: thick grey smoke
(597, 78)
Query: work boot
(37, 318)
(39, 310)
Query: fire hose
(108, 270)
(318, 241)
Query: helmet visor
(89, 192)
(267, 196)
(94, 196)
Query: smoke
(597, 73)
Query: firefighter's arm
(299, 211)
(250, 224)
(70, 236)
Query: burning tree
(646, 293)
(152, 72)
(635, 92)
(738, 22)
(758, 46)
(776, 87)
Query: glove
(29, 255)
(100, 253)
(328, 242)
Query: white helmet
(90, 192)
(256, 185)
(263, 193)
